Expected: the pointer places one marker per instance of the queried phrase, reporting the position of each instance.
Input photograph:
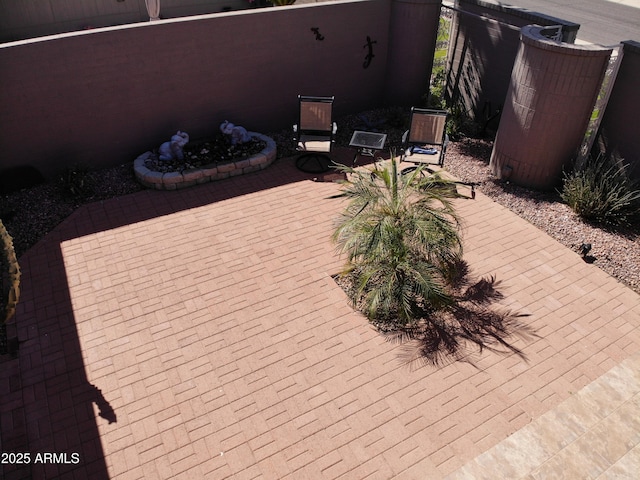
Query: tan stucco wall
(102, 97)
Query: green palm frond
(400, 234)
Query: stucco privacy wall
(553, 88)
(102, 97)
(619, 128)
(484, 44)
(411, 58)
(20, 20)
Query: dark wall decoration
(370, 55)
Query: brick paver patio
(199, 334)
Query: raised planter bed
(207, 173)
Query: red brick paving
(198, 334)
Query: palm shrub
(601, 191)
(9, 276)
(400, 234)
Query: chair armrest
(335, 128)
(404, 146)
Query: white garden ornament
(153, 9)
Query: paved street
(605, 22)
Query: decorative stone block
(153, 178)
(226, 167)
(172, 178)
(193, 175)
(241, 164)
(258, 159)
(210, 170)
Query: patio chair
(426, 140)
(314, 133)
(426, 143)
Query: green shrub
(460, 124)
(435, 98)
(401, 237)
(9, 276)
(73, 182)
(602, 192)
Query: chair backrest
(427, 126)
(316, 115)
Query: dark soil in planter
(208, 151)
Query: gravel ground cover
(617, 252)
(30, 213)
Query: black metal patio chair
(426, 140)
(315, 133)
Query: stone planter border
(207, 173)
